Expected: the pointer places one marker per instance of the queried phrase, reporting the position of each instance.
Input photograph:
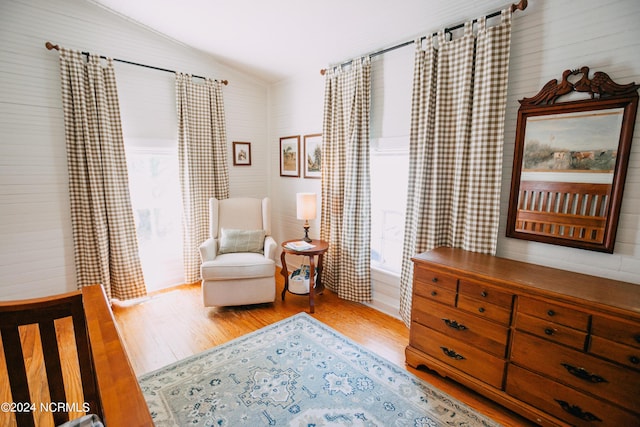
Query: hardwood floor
(173, 324)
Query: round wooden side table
(318, 249)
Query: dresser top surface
(545, 280)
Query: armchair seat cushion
(238, 266)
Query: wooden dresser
(557, 347)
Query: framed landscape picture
(242, 153)
(313, 156)
(582, 141)
(290, 156)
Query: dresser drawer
(616, 330)
(554, 313)
(466, 358)
(484, 309)
(564, 402)
(551, 331)
(434, 293)
(577, 369)
(432, 277)
(460, 325)
(484, 292)
(620, 353)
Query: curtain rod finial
(323, 71)
(51, 46)
(522, 5)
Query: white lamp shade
(306, 205)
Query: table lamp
(306, 209)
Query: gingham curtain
(104, 234)
(457, 125)
(346, 207)
(202, 156)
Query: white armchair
(230, 275)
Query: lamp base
(306, 234)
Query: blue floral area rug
(297, 372)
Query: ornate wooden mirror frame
(570, 162)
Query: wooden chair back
(45, 313)
(67, 350)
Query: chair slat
(51, 355)
(87, 372)
(14, 359)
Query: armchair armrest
(208, 250)
(270, 246)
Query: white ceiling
(275, 39)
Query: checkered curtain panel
(456, 140)
(104, 234)
(346, 207)
(202, 156)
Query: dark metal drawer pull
(577, 411)
(634, 359)
(452, 354)
(434, 280)
(551, 313)
(454, 324)
(637, 338)
(481, 309)
(549, 331)
(583, 374)
(483, 294)
(434, 293)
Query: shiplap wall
(36, 256)
(36, 249)
(547, 38)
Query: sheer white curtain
(202, 156)
(458, 108)
(105, 244)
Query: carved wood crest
(601, 85)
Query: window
(390, 125)
(156, 202)
(389, 174)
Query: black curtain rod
(52, 46)
(522, 5)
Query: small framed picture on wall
(241, 153)
(312, 156)
(290, 156)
